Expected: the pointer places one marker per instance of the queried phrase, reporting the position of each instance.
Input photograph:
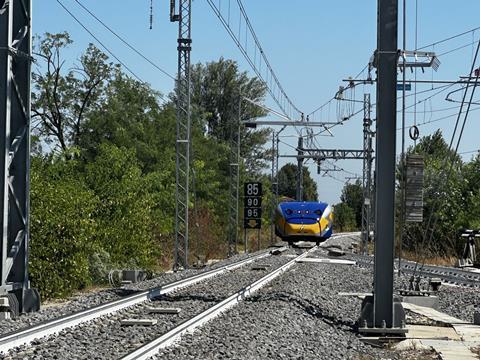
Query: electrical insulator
(151, 14)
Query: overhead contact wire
(138, 52)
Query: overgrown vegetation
(103, 171)
(451, 200)
(103, 165)
(348, 213)
(287, 183)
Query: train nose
(302, 227)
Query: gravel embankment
(81, 302)
(105, 338)
(457, 301)
(298, 316)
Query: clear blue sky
(312, 45)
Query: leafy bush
(124, 214)
(62, 228)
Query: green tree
(444, 199)
(105, 145)
(344, 218)
(287, 183)
(352, 196)
(126, 206)
(216, 90)
(62, 98)
(130, 116)
(62, 227)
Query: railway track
(151, 349)
(449, 275)
(207, 295)
(26, 336)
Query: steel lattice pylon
(15, 66)
(274, 185)
(183, 131)
(233, 197)
(367, 174)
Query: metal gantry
(367, 174)
(15, 70)
(234, 186)
(183, 90)
(330, 154)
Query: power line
(321, 106)
(270, 80)
(138, 52)
(100, 42)
(449, 38)
(456, 49)
(443, 118)
(469, 152)
(163, 99)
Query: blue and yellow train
(304, 221)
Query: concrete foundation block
(154, 310)
(426, 301)
(140, 322)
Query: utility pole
(300, 169)
(15, 70)
(234, 182)
(183, 131)
(367, 173)
(382, 313)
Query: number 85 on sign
(252, 189)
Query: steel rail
(26, 336)
(150, 349)
(446, 274)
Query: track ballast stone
(105, 338)
(81, 302)
(298, 316)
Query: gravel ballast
(81, 302)
(105, 338)
(298, 316)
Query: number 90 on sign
(253, 202)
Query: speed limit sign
(252, 212)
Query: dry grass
(88, 290)
(436, 260)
